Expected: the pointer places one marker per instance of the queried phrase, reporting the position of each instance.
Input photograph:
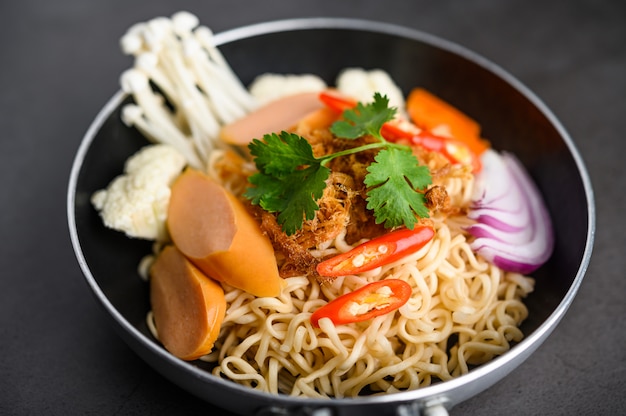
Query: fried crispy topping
(343, 204)
(437, 198)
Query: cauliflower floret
(136, 202)
(269, 87)
(362, 84)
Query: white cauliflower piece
(362, 84)
(136, 202)
(269, 87)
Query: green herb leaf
(301, 192)
(265, 193)
(281, 153)
(364, 119)
(290, 179)
(394, 178)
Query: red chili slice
(337, 101)
(377, 252)
(393, 131)
(455, 151)
(367, 302)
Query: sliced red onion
(513, 229)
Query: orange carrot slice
(212, 228)
(188, 307)
(429, 112)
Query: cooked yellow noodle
(269, 343)
(463, 311)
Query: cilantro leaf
(393, 178)
(265, 193)
(281, 153)
(301, 192)
(364, 119)
(290, 179)
(293, 196)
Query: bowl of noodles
(287, 318)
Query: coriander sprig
(290, 179)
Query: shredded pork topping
(342, 207)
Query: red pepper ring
(377, 252)
(455, 151)
(337, 101)
(394, 131)
(372, 300)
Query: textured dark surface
(60, 64)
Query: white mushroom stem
(153, 105)
(132, 41)
(133, 115)
(204, 35)
(203, 123)
(194, 104)
(156, 31)
(148, 63)
(137, 83)
(212, 83)
(177, 70)
(183, 23)
(157, 118)
(231, 81)
(190, 74)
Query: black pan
(511, 116)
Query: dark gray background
(60, 62)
